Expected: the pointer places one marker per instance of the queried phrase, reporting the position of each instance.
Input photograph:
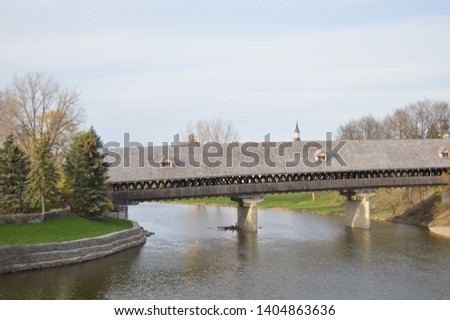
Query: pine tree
(43, 177)
(86, 175)
(14, 168)
(433, 132)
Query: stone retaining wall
(33, 217)
(28, 257)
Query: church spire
(296, 132)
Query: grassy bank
(324, 202)
(431, 212)
(385, 204)
(59, 230)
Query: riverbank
(324, 202)
(429, 213)
(23, 257)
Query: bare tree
(420, 120)
(439, 115)
(2, 117)
(214, 130)
(37, 106)
(350, 131)
(365, 128)
(402, 126)
(387, 133)
(424, 119)
(5, 119)
(372, 128)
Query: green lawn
(325, 202)
(220, 201)
(59, 230)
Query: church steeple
(296, 132)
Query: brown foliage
(424, 119)
(35, 105)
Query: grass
(219, 201)
(59, 230)
(328, 202)
(325, 202)
(381, 212)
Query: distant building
(296, 133)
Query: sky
(148, 67)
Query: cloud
(235, 59)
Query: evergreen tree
(14, 168)
(433, 132)
(86, 175)
(43, 177)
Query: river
(293, 256)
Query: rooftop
(252, 158)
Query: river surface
(293, 256)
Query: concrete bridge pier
(357, 208)
(248, 215)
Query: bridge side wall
(278, 187)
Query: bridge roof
(213, 160)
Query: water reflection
(90, 280)
(355, 245)
(247, 247)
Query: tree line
(45, 158)
(423, 119)
(210, 130)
